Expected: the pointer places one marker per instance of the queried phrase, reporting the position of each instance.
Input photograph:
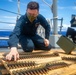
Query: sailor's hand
(13, 53)
(46, 41)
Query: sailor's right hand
(13, 53)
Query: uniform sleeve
(45, 25)
(14, 37)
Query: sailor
(25, 32)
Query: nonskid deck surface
(53, 62)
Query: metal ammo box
(66, 44)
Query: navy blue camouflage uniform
(25, 33)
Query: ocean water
(4, 43)
(61, 33)
(5, 33)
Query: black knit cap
(33, 5)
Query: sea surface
(4, 43)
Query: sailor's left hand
(46, 41)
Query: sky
(65, 9)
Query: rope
(9, 11)
(6, 22)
